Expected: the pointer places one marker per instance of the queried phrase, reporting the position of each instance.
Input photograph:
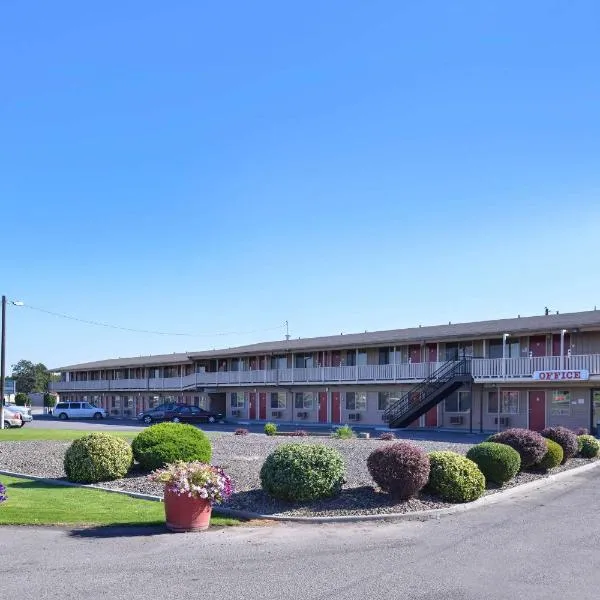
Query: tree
(22, 399)
(31, 378)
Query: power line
(148, 331)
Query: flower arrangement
(2, 493)
(195, 480)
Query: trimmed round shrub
(529, 444)
(400, 469)
(589, 446)
(270, 429)
(301, 472)
(498, 462)
(565, 438)
(553, 457)
(166, 443)
(97, 457)
(454, 477)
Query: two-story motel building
(527, 372)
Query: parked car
(78, 410)
(180, 413)
(12, 419)
(24, 411)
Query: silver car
(24, 411)
(12, 419)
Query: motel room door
(336, 407)
(262, 406)
(537, 410)
(252, 400)
(323, 407)
(596, 411)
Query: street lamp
(2, 356)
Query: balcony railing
(482, 369)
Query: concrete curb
(519, 490)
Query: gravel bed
(242, 458)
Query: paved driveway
(539, 546)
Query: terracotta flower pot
(183, 513)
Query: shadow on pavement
(124, 530)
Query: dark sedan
(181, 413)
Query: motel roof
(552, 323)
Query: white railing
(482, 369)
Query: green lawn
(25, 433)
(32, 502)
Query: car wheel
(63, 416)
(176, 420)
(97, 416)
(211, 419)
(22, 424)
(6, 425)
(147, 420)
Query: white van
(78, 410)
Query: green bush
(97, 457)
(49, 400)
(589, 446)
(455, 478)
(301, 472)
(270, 428)
(165, 443)
(22, 399)
(344, 432)
(498, 462)
(553, 457)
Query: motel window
(386, 399)
(278, 362)
(304, 361)
(361, 358)
(509, 403)
(561, 403)
(513, 348)
(304, 400)
(455, 351)
(458, 402)
(153, 401)
(278, 400)
(237, 400)
(384, 355)
(356, 401)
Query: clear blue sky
(215, 167)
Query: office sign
(570, 375)
(10, 387)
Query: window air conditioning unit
(353, 416)
(235, 413)
(276, 414)
(504, 421)
(303, 415)
(456, 420)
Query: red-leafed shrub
(565, 438)
(529, 444)
(400, 469)
(298, 433)
(582, 431)
(387, 436)
(240, 431)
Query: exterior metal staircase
(429, 392)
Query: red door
(414, 352)
(322, 407)
(431, 417)
(336, 358)
(537, 345)
(537, 410)
(252, 400)
(262, 399)
(556, 345)
(336, 408)
(432, 353)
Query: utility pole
(2, 361)
(287, 331)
